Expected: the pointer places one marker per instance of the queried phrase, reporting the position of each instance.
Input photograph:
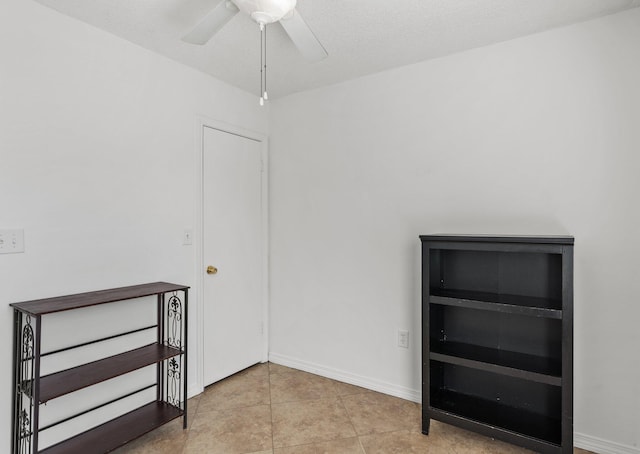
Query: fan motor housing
(266, 11)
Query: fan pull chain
(263, 64)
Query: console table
(168, 353)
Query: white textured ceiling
(361, 36)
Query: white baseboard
(193, 390)
(602, 446)
(347, 377)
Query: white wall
(97, 162)
(539, 135)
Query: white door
(232, 245)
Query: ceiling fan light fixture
(266, 11)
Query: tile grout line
(190, 421)
(340, 398)
(273, 446)
(346, 410)
(361, 446)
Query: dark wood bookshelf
(118, 432)
(497, 337)
(168, 355)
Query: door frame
(198, 237)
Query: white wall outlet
(11, 241)
(187, 237)
(403, 338)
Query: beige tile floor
(271, 409)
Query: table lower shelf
(117, 432)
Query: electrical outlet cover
(11, 241)
(403, 338)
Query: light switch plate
(11, 241)
(187, 237)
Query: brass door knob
(212, 270)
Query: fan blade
(303, 37)
(211, 23)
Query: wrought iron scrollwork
(174, 376)
(174, 339)
(26, 360)
(174, 316)
(25, 388)
(25, 424)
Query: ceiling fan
(263, 12)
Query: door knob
(212, 270)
